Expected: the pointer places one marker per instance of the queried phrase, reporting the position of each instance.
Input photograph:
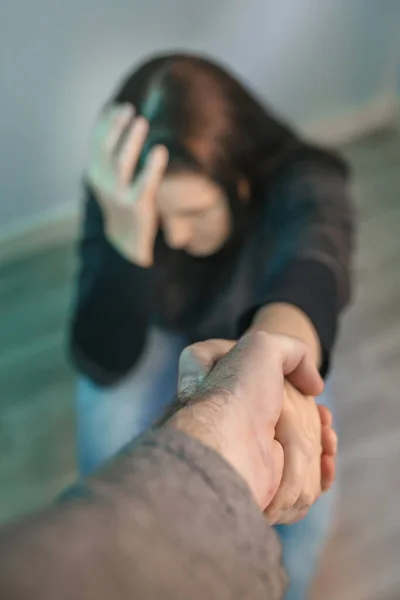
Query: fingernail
(188, 383)
(191, 382)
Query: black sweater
(298, 251)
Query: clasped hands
(254, 403)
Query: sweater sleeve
(168, 518)
(309, 233)
(111, 312)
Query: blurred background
(330, 68)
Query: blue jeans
(110, 418)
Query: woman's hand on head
(304, 429)
(128, 203)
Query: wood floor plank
(361, 561)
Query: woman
(204, 216)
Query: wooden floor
(362, 561)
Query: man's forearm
(287, 319)
(168, 519)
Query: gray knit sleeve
(168, 518)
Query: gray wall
(59, 61)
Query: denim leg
(109, 418)
(302, 546)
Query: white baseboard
(363, 120)
(61, 225)
(32, 235)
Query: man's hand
(300, 434)
(236, 408)
(304, 429)
(310, 445)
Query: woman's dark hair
(210, 123)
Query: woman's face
(194, 213)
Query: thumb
(192, 370)
(198, 360)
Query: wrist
(134, 253)
(221, 431)
(142, 252)
(200, 420)
(143, 260)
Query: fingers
(154, 171)
(106, 136)
(254, 371)
(325, 415)
(114, 160)
(115, 124)
(328, 471)
(296, 362)
(256, 367)
(309, 491)
(327, 478)
(291, 486)
(329, 441)
(269, 356)
(196, 361)
(108, 130)
(130, 151)
(301, 370)
(271, 483)
(299, 516)
(299, 431)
